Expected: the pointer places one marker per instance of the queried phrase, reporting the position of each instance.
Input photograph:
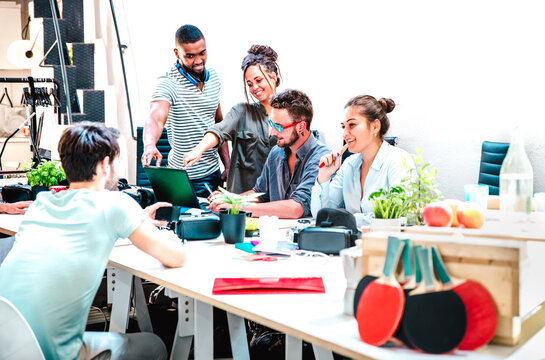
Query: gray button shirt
(246, 127)
(277, 183)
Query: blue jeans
(213, 181)
(116, 346)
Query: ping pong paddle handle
(417, 271)
(395, 247)
(407, 259)
(440, 266)
(426, 267)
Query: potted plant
(389, 207)
(233, 220)
(47, 173)
(421, 188)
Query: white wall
(461, 71)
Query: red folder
(268, 285)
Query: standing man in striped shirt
(186, 102)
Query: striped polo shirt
(191, 113)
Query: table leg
(204, 331)
(109, 290)
(237, 333)
(294, 348)
(185, 328)
(141, 306)
(322, 354)
(121, 283)
(181, 345)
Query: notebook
(172, 185)
(266, 285)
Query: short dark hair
(371, 108)
(296, 102)
(188, 34)
(83, 146)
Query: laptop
(173, 186)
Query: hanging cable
(123, 68)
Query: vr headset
(335, 230)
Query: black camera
(143, 196)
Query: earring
(375, 134)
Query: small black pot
(37, 189)
(233, 226)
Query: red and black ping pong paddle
(481, 315)
(410, 283)
(406, 256)
(366, 280)
(433, 321)
(381, 304)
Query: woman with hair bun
(246, 123)
(375, 163)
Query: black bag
(16, 192)
(335, 230)
(198, 227)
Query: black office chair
(162, 145)
(392, 140)
(492, 155)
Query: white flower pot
(387, 224)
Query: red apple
(438, 213)
(454, 204)
(470, 215)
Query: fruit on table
(470, 215)
(252, 224)
(438, 213)
(454, 204)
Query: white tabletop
(9, 224)
(316, 318)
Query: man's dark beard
(294, 137)
(199, 76)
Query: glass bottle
(516, 182)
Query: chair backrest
(392, 140)
(492, 155)
(17, 340)
(162, 145)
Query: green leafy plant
(389, 202)
(47, 173)
(421, 188)
(237, 201)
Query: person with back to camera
(246, 123)
(374, 165)
(53, 271)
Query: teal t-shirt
(58, 259)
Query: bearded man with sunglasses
(292, 166)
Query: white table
(9, 224)
(315, 318)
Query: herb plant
(47, 173)
(420, 188)
(389, 202)
(235, 200)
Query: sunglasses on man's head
(279, 127)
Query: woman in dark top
(246, 123)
